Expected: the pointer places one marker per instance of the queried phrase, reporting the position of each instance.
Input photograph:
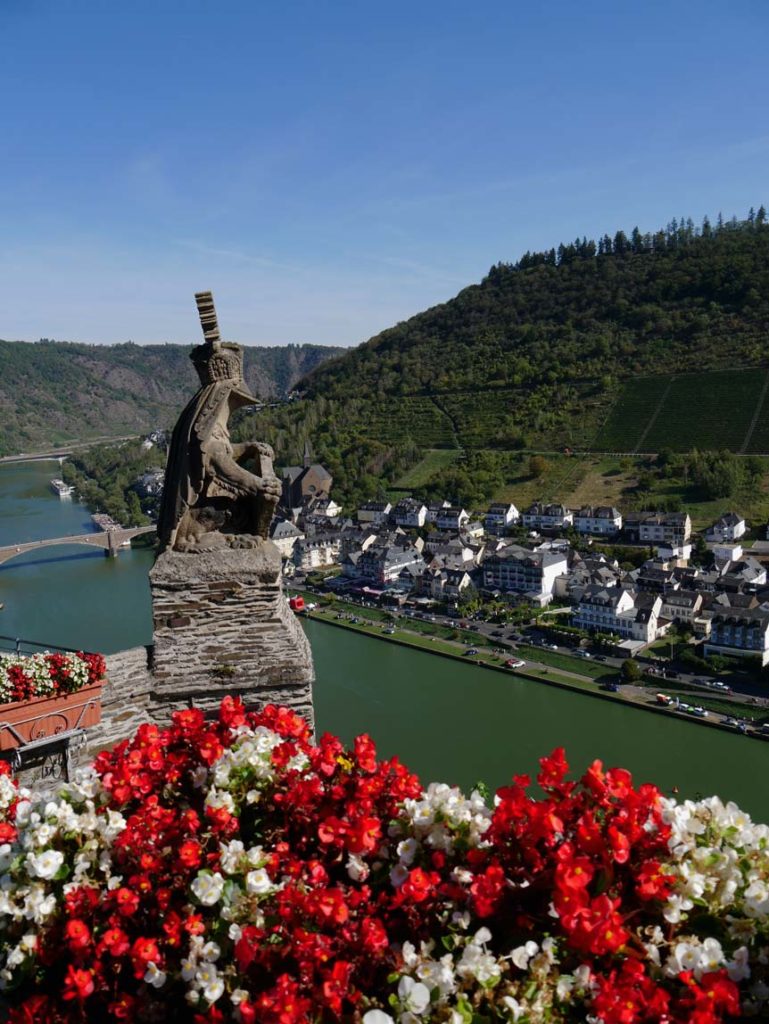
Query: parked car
(470, 652)
(514, 663)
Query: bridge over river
(110, 541)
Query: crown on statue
(218, 364)
(215, 360)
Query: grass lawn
(581, 666)
(434, 460)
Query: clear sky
(329, 168)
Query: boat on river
(62, 489)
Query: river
(448, 721)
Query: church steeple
(307, 455)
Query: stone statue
(217, 494)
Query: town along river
(446, 720)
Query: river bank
(637, 697)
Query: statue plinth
(222, 626)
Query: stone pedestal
(222, 625)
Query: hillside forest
(547, 355)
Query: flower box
(28, 720)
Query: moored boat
(62, 489)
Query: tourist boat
(62, 489)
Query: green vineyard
(714, 410)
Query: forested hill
(51, 392)
(681, 298)
(535, 356)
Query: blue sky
(331, 168)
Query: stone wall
(222, 625)
(125, 701)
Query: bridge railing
(18, 645)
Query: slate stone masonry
(222, 625)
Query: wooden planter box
(29, 720)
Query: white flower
(515, 1008)
(231, 854)
(45, 864)
(398, 875)
(208, 888)
(154, 976)
(414, 996)
(522, 954)
(258, 882)
(357, 868)
(738, 968)
(406, 850)
(377, 1017)
(208, 980)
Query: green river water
(446, 720)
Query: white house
(284, 535)
(452, 518)
(668, 527)
(517, 570)
(317, 552)
(435, 508)
(374, 512)
(499, 517)
(726, 529)
(410, 513)
(601, 520)
(741, 633)
(621, 610)
(547, 517)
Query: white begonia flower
(563, 987)
(207, 888)
(582, 976)
(522, 954)
(409, 954)
(357, 868)
(230, 855)
(407, 850)
(414, 996)
(398, 875)
(258, 882)
(256, 856)
(208, 981)
(478, 964)
(154, 976)
(377, 1017)
(738, 968)
(45, 864)
(516, 1011)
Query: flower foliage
(232, 870)
(25, 677)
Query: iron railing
(18, 645)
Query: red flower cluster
(325, 925)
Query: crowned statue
(217, 494)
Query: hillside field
(712, 410)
